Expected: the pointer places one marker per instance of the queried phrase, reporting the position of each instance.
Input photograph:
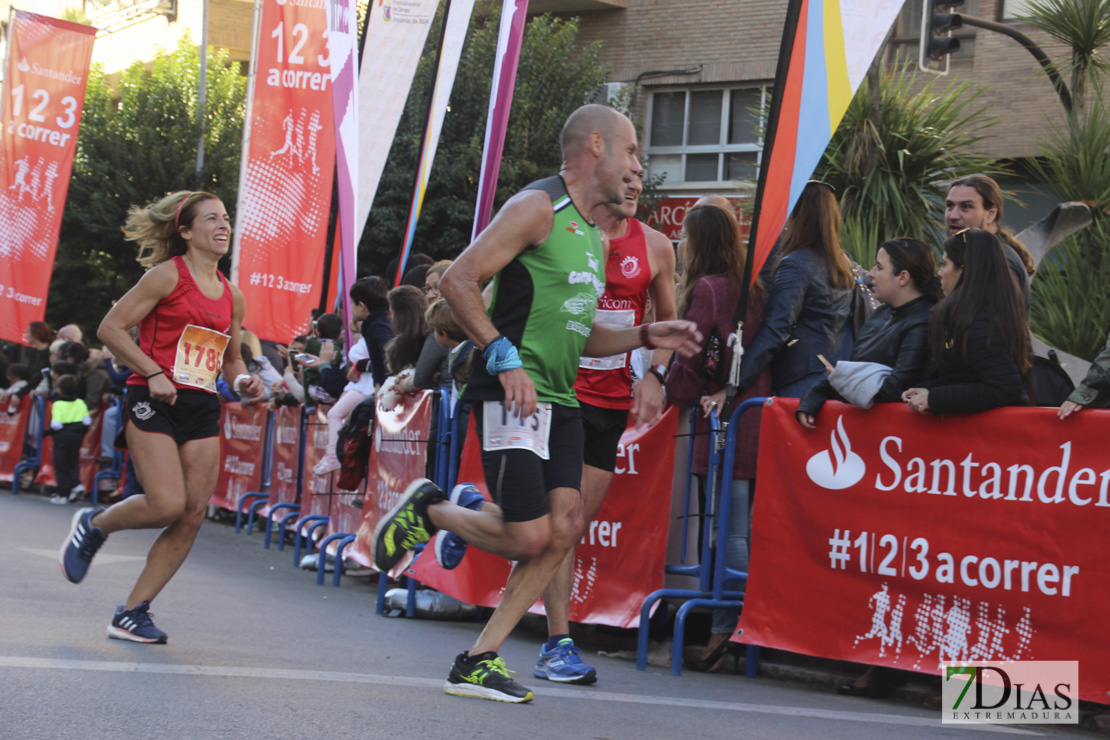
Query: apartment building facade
(700, 67)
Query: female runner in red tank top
(189, 317)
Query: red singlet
(187, 332)
(607, 381)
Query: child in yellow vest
(69, 419)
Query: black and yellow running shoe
(406, 525)
(484, 676)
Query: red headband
(178, 214)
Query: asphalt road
(258, 650)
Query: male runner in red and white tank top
(639, 265)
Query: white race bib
(200, 356)
(503, 431)
(620, 319)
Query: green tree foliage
(138, 141)
(1084, 27)
(1071, 294)
(554, 78)
(892, 177)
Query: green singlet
(544, 301)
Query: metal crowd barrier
(710, 570)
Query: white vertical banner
(342, 45)
(395, 38)
(454, 35)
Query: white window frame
(720, 148)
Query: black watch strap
(660, 372)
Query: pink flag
(513, 16)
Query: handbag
(713, 358)
(864, 301)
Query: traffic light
(936, 43)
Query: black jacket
(805, 307)
(377, 330)
(988, 378)
(895, 337)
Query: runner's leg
(200, 461)
(556, 597)
(158, 468)
(529, 578)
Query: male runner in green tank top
(548, 260)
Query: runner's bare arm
(648, 396)
(233, 365)
(681, 336)
(526, 219)
(132, 308)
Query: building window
(907, 31)
(704, 136)
(1009, 10)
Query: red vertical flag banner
(44, 92)
(286, 179)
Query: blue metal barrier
(116, 469)
(304, 529)
(407, 582)
(711, 572)
(294, 508)
(34, 462)
(264, 484)
(344, 540)
(458, 438)
(444, 433)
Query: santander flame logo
(838, 467)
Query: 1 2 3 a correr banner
(924, 539)
(44, 93)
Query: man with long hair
(975, 202)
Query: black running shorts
(519, 480)
(602, 429)
(194, 415)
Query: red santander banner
(890, 538)
(396, 459)
(242, 445)
(44, 86)
(286, 177)
(620, 559)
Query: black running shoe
(83, 542)
(484, 676)
(136, 625)
(407, 525)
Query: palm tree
(1083, 26)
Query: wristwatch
(660, 372)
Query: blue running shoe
(450, 547)
(83, 542)
(136, 625)
(563, 665)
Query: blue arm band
(501, 355)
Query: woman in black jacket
(810, 302)
(897, 334)
(978, 334)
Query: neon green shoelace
(486, 667)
